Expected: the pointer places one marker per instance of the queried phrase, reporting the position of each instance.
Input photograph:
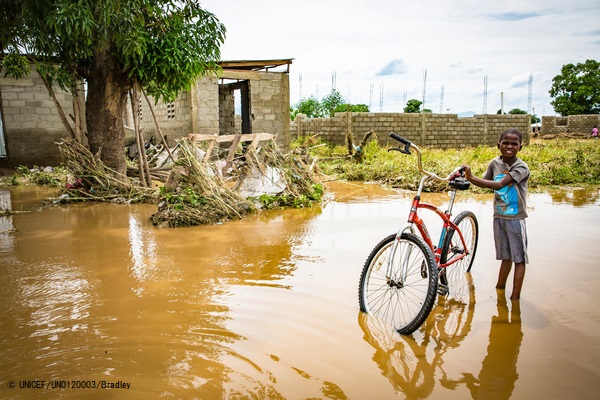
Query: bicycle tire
(452, 246)
(404, 306)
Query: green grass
(557, 162)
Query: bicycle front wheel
(453, 247)
(404, 298)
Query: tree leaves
(576, 90)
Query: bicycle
(405, 271)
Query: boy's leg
(505, 268)
(518, 281)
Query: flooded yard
(98, 303)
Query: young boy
(508, 175)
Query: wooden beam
(196, 137)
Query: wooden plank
(195, 137)
(241, 74)
(231, 153)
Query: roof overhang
(257, 65)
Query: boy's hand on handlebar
(467, 170)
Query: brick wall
(437, 130)
(31, 122)
(573, 124)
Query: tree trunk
(105, 107)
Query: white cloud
(383, 47)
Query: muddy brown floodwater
(266, 307)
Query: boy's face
(509, 145)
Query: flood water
(266, 307)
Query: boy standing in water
(508, 175)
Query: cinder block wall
(31, 123)
(174, 119)
(270, 106)
(437, 130)
(582, 124)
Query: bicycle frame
(415, 221)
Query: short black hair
(514, 131)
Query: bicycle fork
(401, 279)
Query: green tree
(309, 107)
(517, 111)
(330, 102)
(576, 90)
(164, 45)
(414, 106)
(351, 108)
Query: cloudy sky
(464, 55)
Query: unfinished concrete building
(250, 96)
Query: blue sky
(382, 53)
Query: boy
(508, 175)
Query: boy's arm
(485, 183)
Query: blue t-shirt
(510, 202)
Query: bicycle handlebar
(406, 150)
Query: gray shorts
(510, 236)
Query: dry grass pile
(92, 180)
(196, 194)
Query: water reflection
(498, 374)
(575, 196)
(411, 362)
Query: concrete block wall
(174, 119)
(436, 130)
(582, 124)
(227, 120)
(270, 106)
(31, 123)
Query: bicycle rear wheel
(405, 298)
(453, 248)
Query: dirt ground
(6, 171)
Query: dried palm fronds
(93, 180)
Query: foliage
(272, 201)
(332, 103)
(414, 106)
(309, 107)
(518, 111)
(576, 90)
(552, 162)
(351, 108)
(187, 197)
(39, 176)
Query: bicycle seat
(459, 183)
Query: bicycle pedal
(442, 289)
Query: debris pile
(201, 187)
(92, 180)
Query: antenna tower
(530, 87)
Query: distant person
(508, 176)
(595, 132)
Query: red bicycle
(405, 271)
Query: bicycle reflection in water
(404, 361)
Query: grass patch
(556, 162)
